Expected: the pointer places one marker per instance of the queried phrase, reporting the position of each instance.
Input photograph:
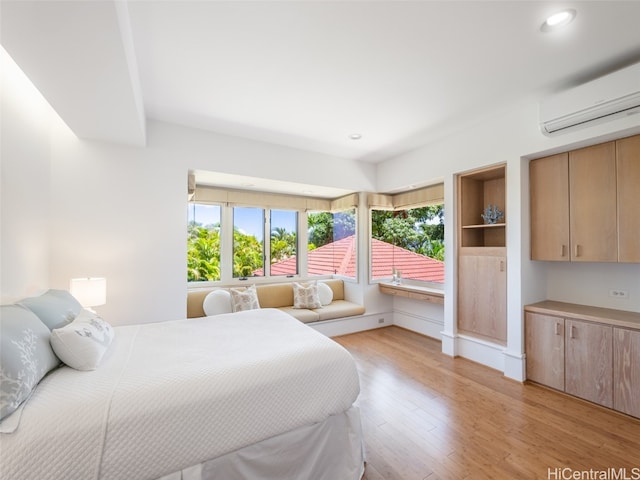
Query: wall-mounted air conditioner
(607, 97)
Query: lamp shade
(90, 292)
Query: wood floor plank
(427, 416)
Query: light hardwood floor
(429, 416)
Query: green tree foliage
(203, 252)
(327, 227)
(283, 244)
(247, 254)
(412, 229)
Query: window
(248, 242)
(332, 243)
(237, 234)
(409, 241)
(284, 242)
(203, 243)
(407, 235)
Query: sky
(248, 220)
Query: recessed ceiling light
(355, 136)
(558, 20)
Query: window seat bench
(280, 295)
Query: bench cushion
(276, 295)
(280, 295)
(303, 314)
(339, 309)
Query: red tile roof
(339, 257)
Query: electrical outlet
(623, 294)
(381, 320)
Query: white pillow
(306, 296)
(82, 343)
(217, 302)
(325, 293)
(244, 299)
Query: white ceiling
(307, 74)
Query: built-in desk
(590, 352)
(423, 294)
(608, 316)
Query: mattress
(175, 394)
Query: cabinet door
(592, 204)
(549, 190)
(589, 361)
(628, 170)
(626, 371)
(482, 293)
(544, 347)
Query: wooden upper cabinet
(549, 190)
(628, 170)
(592, 204)
(589, 200)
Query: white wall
(120, 212)
(73, 208)
(25, 119)
(513, 137)
(93, 208)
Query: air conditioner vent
(605, 98)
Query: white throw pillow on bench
(325, 293)
(217, 302)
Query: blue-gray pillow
(25, 355)
(56, 308)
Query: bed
(246, 395)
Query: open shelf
(486, 225)
(476, 191)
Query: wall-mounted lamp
(90, 292)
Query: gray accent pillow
(306, 295)
(56, 308)
(25, 355)
(244, 299)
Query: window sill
(423, 294)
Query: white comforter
(169, 395)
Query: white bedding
(175, 394)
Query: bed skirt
(331, 450)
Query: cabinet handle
(572, 332)
(562, 250)
(557, 328)
(502, 265)
(577, 250)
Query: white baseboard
(345, 326)
(423, 325)
(449, 344)
(515, 366)
(481, 351)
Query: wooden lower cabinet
(589, 361)
(599, 362)
(482, 292)
(626, 371)
(544, 337)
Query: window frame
(356, 226)
(217, 197)
(423, 197)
